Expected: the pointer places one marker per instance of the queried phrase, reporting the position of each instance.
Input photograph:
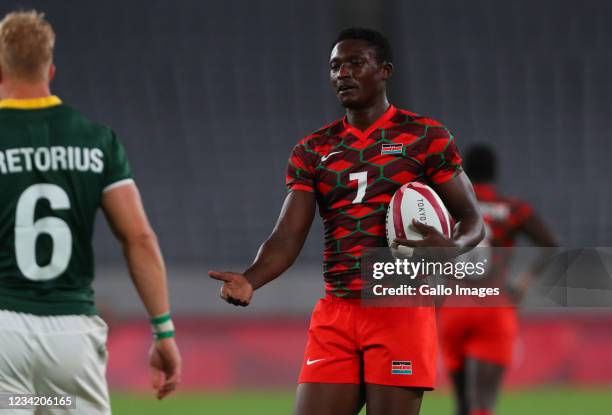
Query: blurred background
(209, 97)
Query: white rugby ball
(415, 201)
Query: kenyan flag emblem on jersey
(391, 149)
(401, 367)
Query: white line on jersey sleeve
(117, 184)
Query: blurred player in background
(477, 343)
(56, 169)
(351, 168)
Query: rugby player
(351, 168)
(477, 342)
(56, 169)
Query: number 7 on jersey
(362, 183)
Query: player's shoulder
(495, 195)
(69, 123)
(518, 210)
(516, 203)
(425, 125)
(79, 121)
(322, 136)
(407, 116)
(513, 205)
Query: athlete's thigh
(15, 362)
(483, 381)
(74, 363)
(332, 352)
(16, 351)
(399, 346)
(492, 336)
(328, 399)
(393, 400)
(455, 326)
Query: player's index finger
(221, 276)
(420, 226)
(407, 242)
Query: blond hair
(26, 45)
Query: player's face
(356, 76)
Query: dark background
(210, 97)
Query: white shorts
(45, 355)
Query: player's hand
(165, 365)
(236, 289)
(434, 244)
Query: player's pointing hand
(236, 289)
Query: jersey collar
(30, 104)
(387, 115)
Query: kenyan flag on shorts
(401, 367)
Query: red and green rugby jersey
(502, 215)
(354, 175)
(54, 166)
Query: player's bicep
(296, 215)
(458, 197)
(125, 213)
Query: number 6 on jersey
(27, 232)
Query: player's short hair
(373, 37)
(480, 163)
(26, 45)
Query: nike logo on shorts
(325, 157)
(312, 362)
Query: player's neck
(24, 90)
(362, 118)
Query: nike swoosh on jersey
(312, 362)
(325, 157)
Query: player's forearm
(275, 255)
(148, 272)
(458, 195)
(469, 231)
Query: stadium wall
(264, 353)
(210, 97)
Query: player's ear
(51, 73)
(387, 70)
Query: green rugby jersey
(55, 165)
